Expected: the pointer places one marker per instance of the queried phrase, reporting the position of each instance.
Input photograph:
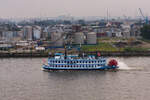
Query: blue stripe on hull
(79, 68)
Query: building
(36, 33)
(79, 38)
(126, 29)
(57, 39)
(91, 38)
(27, 32)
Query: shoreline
(103, 53)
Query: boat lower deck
(79, 68)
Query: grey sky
(36, 8)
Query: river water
(23, 79)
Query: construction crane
(145, 18)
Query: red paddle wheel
(113, 62)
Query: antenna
(107, 16)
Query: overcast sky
(52, 8)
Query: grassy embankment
(109, 45)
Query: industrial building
(57, 39)
(91, 38)
(36, 32)
(79, 38)
(28, 32)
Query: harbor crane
(144, 17)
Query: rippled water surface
(23, 79)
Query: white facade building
(37, 33)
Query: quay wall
(102, 53)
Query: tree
(145, 32)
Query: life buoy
(98, 54)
